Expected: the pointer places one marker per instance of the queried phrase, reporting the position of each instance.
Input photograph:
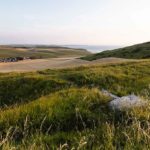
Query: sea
(94, 48)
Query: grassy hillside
(40, 51)
(65, 109)
(139, 51)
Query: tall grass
(20, 89)
(76, 118)
(68, 111)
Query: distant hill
(40, 51)
(139, 51)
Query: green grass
(65, 109)
(22, 88)
(139, 51)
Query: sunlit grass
(65, 109)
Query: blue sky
(93, 22)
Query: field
(65, 108)
(40, 51)
(52, 63)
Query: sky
(88, 22)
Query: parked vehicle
(13, 59)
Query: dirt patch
(53, 63)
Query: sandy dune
(53, 63)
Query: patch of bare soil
(53, 63)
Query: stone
(126, 102)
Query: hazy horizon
(90, 48)
(80, 22)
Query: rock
(126, 102)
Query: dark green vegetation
(40, 51)
(65, 108)
(140, 51)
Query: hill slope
(40, 51)
(65, 109)
(139, 51)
